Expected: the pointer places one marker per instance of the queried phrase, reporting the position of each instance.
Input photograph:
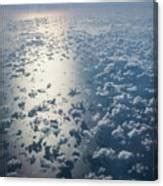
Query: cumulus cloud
(83, 95)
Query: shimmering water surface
(77, 91)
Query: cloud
(104, 153)
(125, 155)
(13, 165)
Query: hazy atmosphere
(77, 92)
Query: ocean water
(77, 91)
